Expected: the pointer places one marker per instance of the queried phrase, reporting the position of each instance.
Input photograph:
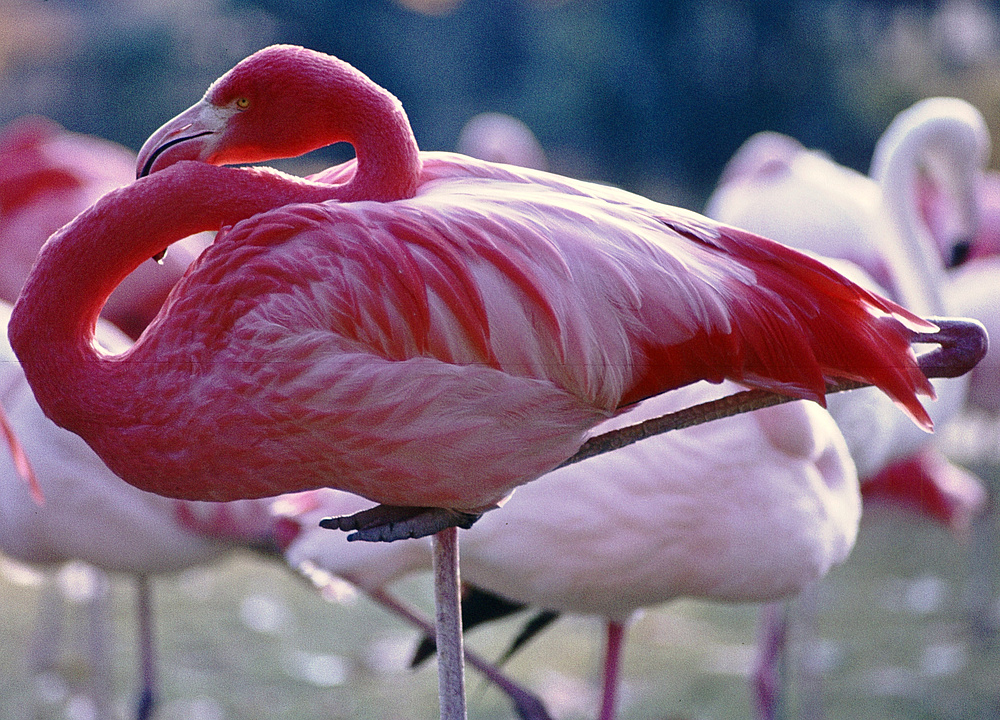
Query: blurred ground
(906, 629)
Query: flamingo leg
(770, 659)
(448, 616)
(528, 706)
(144, 608)
(44, 646)
(612, 666)
(98, 642)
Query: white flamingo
(775, 186)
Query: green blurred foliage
(651, 95)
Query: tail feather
(796, 326)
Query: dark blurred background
(647, 94)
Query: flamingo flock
(415, 342)
(48, 176)
(775, 186)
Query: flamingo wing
(462, 323)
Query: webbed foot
(386, 523)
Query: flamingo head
(282, 101)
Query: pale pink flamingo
(689, 513)
(775, 186)
(972, 287)
(501, 138)
(974, 290)
(430, 334)
(940, 214)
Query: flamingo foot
(387, 523)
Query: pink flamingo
(397, 334)
(695, 512)
(47, 176)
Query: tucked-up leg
(387, 523)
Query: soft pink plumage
(774, 185)
(421, 339)
(681, 502)
(433, 332)
(400, 349)
(91, 516)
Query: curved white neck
(948, 146)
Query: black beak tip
(148, 166)
(961, 250)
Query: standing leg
(612, 665)
(95, 595)
(771, 642)
(528, 706)
(43, 649)
(448, 615)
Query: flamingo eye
(242, 103)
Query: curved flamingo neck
(906, 150)
(316, 100)
(388, 166)
(53, 323)
(922, 263)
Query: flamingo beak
(192, 135)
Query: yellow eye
(242, 103)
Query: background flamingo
(777, 187)
(694, 512)
(544, 375)
(774, 185)
(501, 138)
(971, 288)
(47, 176)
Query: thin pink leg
(612, 665)
(771, 643)
(448, 616)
